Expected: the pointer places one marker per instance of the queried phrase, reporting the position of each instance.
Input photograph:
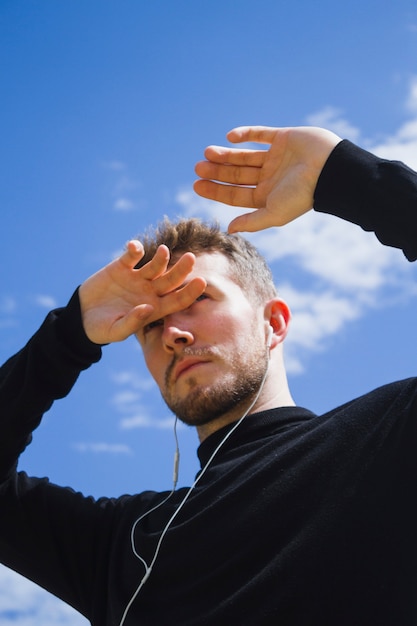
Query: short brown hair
(248, 267)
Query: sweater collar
(254, 427)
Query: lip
(187, 364)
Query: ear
(277, 315)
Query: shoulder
(384, 406)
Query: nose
(174, 339)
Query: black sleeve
(52, 535)
(376, 194)
(44, 370)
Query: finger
(176, 300)
(228, 194)
(239, 175)
(183, 297)
(235, 156)
(157, 265)
(257, 134)
(130, 323)
(175, 276)
(133, 253)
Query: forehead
(213, 266)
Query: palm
(278, 182)
(119, 299)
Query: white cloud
(336, 252)
(133, 379)
(332, 118)
(346, 269)
(128, 401)
(24, 604)
(316, 316)
(131, 385)
(195, 206)
(401, 146)
(45, 301)
(412, 98)
(125, 399)
(102, 447)
(124, 188)
(8, 305)
(144, 420)
(123, 204)
(126, 184)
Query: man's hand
(119, 300)
(279, 182)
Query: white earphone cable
(148, 568)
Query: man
(294, 519)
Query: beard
(204, 403)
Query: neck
(274, 393)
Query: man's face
(210, 357)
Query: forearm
(376, 194)
(44, 370)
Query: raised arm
(278, 182)
(110, 305)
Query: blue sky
(105, 107)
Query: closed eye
(152, 325)
(160, 322)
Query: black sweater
(300, 520)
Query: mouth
(186, 365)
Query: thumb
(258, 219)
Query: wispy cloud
(24, 604)
(335, 252)
(123, 204)
(124, 187)
(45, 301)
(144, 420)
(333, 118)
(8, 305)
(402, 145)
(131, 401)
(8, 308)
(317, 315)
(412, 98)
(102, 447)
(128, 396)
(125, 193)
(133, 379)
